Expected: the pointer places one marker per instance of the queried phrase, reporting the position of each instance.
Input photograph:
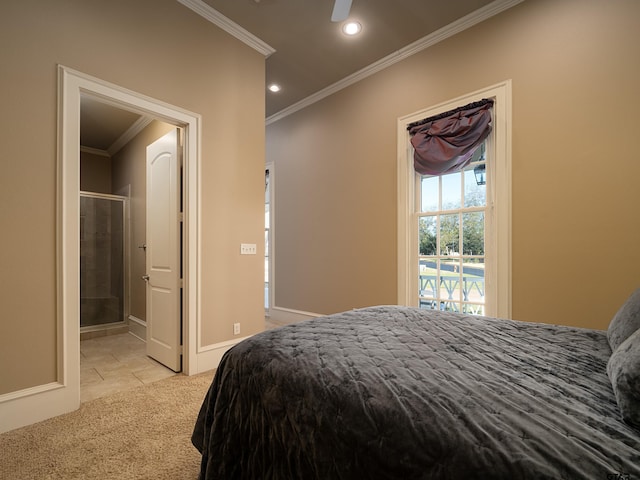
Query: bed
(393, 392)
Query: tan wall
(129, 168)
(575, 164)
(95, 173)
(158, 48)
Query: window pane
(428, 280)
(428, 266)
(428, 304)
(473, 233)
(449, 234)
(429, 194)
(451, 188)
(450, 306)
(473, 280)
(427, 229)
(474, 195)
(451, 245)
(473, 309)
(450, 279)
(450, 267)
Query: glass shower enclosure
(102, 260)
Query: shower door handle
(145, 278)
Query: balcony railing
(430, 287)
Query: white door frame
(271, 167)
(71, 84)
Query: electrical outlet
(236, 329)
(248, 249)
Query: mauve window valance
(445, 142)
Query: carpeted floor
(143, 433)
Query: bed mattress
(402, 393)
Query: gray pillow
(625, 322)
(624, 372)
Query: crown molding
(443, 33)
(228, 26)
(127, 136)
(94, 151)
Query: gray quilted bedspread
(402, 393)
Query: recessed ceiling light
(351, 28)
(274, 87)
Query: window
(454, 232)
(451, 238)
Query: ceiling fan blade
(341, 10)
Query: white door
(163, 252)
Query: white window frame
(498, 219)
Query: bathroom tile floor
(114, 363)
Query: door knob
(145, 278)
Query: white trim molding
(73, 84)
(94, 151)
(430, 40)
(286, 316)
(138, 327)
(498, 244)
(271, 251)
(25, 407)
(232, 28)
(129, 135)
(209, 356)
(134, 319)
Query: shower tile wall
(101, 261)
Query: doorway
(73, 84)
(117, 349)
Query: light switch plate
(248, 249)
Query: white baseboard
(208, 358)
(32, 405)
(137, 327)
(286, 316)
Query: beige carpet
(143, 433)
